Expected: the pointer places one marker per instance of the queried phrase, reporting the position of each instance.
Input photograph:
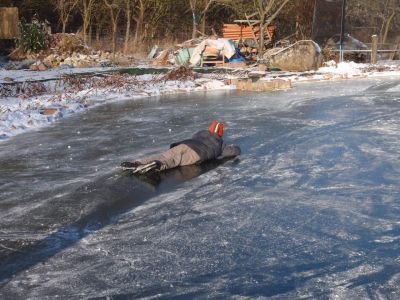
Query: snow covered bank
(26, 106)
(56, 93)
(348, 70)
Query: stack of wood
(238, 32)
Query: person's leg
(189, 156)
(181, 155)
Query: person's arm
(230, 151)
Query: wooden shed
(9, 22)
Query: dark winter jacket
(209, 146)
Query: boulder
(301, 56)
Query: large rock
(301, 56)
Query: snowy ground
(46, 99)
(43, 103)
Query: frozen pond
(311, 209)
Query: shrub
(33, 36)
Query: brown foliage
(181, 73)
(67, 43)
(23, 90)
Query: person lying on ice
(203, 146)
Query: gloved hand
(230, 151)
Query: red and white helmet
(217, 128)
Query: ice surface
(311, 209)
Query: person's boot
(154, 165)
(127, 165)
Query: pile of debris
(180, 73)
(70, 50)
(304, 55)
(65, 50)
(216, 51)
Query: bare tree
(114, 10)
(85, 8)
(65, 9)
(144, 13)
(158, 10)
(99, 22)
(128, 16)
(268, 11)
(391, 10)
(139, 14)
(383, 15)
(199, 9)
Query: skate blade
(129, 168)
(145, 168)
(140, 169)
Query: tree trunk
(114, 38)
(64, 25)
(139, 24)
(89, 38)
(194, 31)
(264, 21)
(85, 21)
(85, 26)
(203, 24)
(128, 25)
(98, 29)
(114, 11)
(387, 26)
(86, 16)
(138, 32)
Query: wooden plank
(374, 49)
(9, 22)
(237, 32)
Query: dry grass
(180, 73)
(23, 90)
(70, 84)
(139, 51)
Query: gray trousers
(181, 155)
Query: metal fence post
(374, 49)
